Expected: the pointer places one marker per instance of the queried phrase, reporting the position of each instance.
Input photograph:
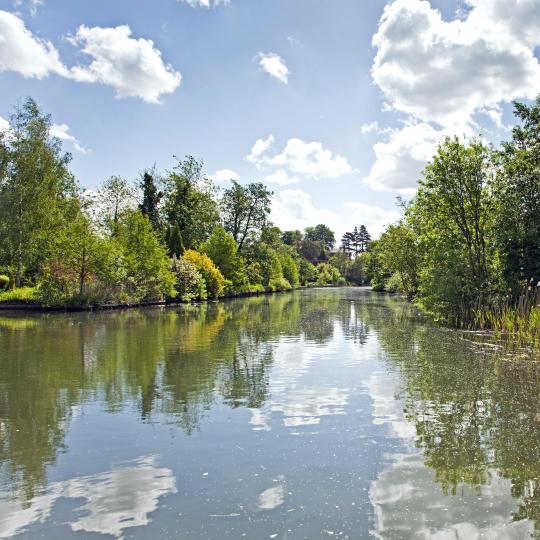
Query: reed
(516, 320)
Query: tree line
(170, 235)
(468, 246)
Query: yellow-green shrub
(215, 282)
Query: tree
(214, 279)
(151, 199)
(174, 241)
(36, 189)
(363, 239)
(292, 238)
(223, 250)
(321, 233)
(399, 253)
(518, 192)
(452, 214)
(189, 201)
(245, 210)
(115, 196)
(311, 249)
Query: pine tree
(174, 240)
(151, 199)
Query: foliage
(307, 271)
(4, 282)
(22, 294)
(115, 197)
(329, 275)
(279, 284)
(321, 233)
(189, 201)
(245, 210)
(356, 241)
(215, 282)
(36, 189)
(223, 250)
(151, 198)
(289, 268)
(190, 284)
(174, 241)
(356, 271)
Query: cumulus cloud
(444, 72)
(62, 131)
(306, 159)
(294, 209)
(133, 67)
(282, 178)
(400, 159)
(274, 65)
(224, 175)
(25, 53)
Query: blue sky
(346, 98)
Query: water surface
(332, 413)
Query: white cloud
(444, 72)
(133, 67)
(63, 133)
(308, 159)
(33, 5)
(4, 125)
(400, 159)
(274, 65)
(294, 209)
(369, 128)
(206, 3)
(224, 175)
(25, 53)
(281, 178)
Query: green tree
(292, 238)
(115, 196)
(174, 241)
(151, 199)
(518, 193)
(400, 254)
(36, 189)
(245, 210)
(321, 233)
(223, 250)
(189, 201)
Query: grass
(23, 294)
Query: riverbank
(34, 306)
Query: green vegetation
(468, 247)
(169, 236)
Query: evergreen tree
(151, 199)
(174, 240)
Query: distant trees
(356, 241)
(160, 237)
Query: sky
(336, 105)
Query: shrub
(190, 284)
(215, 282)
(290, 269)
(23, 294)
(308, 272)
(329, 275)
(279, 284)
(393, 284)
(4, 282)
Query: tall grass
(516, 320)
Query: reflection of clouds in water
(298, 405)
(409, 503)
(117, 499)
(271, 498)
(387, 410)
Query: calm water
(327, 413)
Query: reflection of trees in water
(175, 362)
(473, 413)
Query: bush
(215, 282)
(393, 284)
(307, 272)
(329, 275)
(190, 284)
(23, 294)
(4, 282)
(290, 269)
(279, 284)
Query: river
(324, 413)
